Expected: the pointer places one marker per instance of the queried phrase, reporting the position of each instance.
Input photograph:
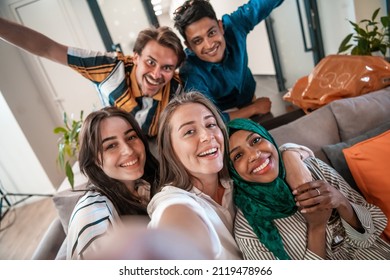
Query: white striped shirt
(91, 218)
(342, 241)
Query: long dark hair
(91, 151)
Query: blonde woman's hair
(172, 171)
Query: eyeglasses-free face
(197, 140)
(124, 153)
(254, 158)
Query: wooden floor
(23, 227)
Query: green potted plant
(68, 144)
(371, 36)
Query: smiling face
(123, 151)
(197, 140)
(205, 38)
(155, 67)
(254, 158)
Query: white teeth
(151, 81)
(212, 51)
(211, 151)
(129, 163)
(265, 163)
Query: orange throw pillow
(369, 163)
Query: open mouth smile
(129, 163)
(262, 166)
(153, 82)
(209, 152)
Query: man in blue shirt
(217, 57)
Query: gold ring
(319, 193)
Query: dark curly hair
(190, 12)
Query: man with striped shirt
(141, 84)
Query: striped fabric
(91, 218)
(114, 76)
(343, 242)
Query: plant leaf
(61, 155)
(69, 174)
(383, 49)
(385, 21)
(344, 46)
(375, 14)
(59, 129)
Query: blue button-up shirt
(229, 83)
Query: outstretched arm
(182, 219)
(32, 41)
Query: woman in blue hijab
(322, 219)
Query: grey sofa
(328, 126)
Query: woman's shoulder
(170, 195)
(93, 202)
(171, 191)
(91, 197)
(92, 216)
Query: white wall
(334, 24)
(20, 170)
(365, 8)
(124, 24)
(23, 97)
(37, 90)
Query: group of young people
(215, 62)
(222, 187)
(219, 179)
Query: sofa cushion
(336, 157)
(314, 130)
(65, 201)
(352, 113)
(369, 165)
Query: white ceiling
(168, 6)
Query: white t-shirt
(218, 219)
